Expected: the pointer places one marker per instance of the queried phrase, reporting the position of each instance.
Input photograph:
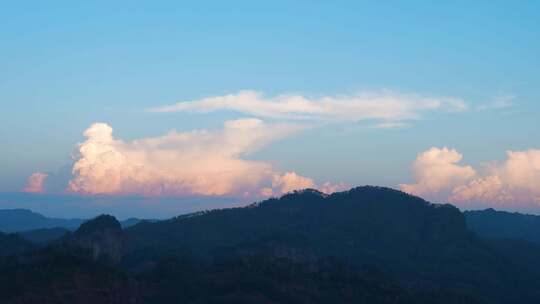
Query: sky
(238, 101)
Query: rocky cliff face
(102, 237)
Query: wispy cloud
(388, 107)
(499, 102)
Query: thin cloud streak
(500, 102)
(388, 107)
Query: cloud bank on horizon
(439, 176)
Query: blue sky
(65, 65)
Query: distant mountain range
(19, 220)
(488, 223)
(365, 245)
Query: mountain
(23, 220)
(421, 245)
(79, 270)
(102, 236)
(15, 220)
(366, 245)
(132, 222)
(490, 223)
(53, 275)
(366, 224)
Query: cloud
(291, 181)
(36, 183)
(331, 188)
(437, 171)
(500, 102)
(390, 108)
(390, 125)
(514, 181)
(199, 162)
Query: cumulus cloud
(36, 183)
(391, 108)
(330, 188)
(437, 171)
(291, 181)
(199, 162)
(514, 181)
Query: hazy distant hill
(23, 220)
(14, 220)
(499, 224)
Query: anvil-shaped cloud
(199, 162)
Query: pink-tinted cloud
(199, 162)
(291, 181)
(514, 181)
(330, 188)
(36, 183)
(437, 171)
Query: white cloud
(330, 188)
(437, 171)
(500, 102)
(291, 181)
(389, 107)
(514, 181)
(390, 125)
(199, 162)
(36, 183)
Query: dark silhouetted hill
(59, 275)
(45, 235)
(12, 244)
(102, 236)
(490, 223)
(423, 245)
(365, 245)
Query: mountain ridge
(26, 220)
(256, 252)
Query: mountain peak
(308, 192)
(102, 236)
(101, 222)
